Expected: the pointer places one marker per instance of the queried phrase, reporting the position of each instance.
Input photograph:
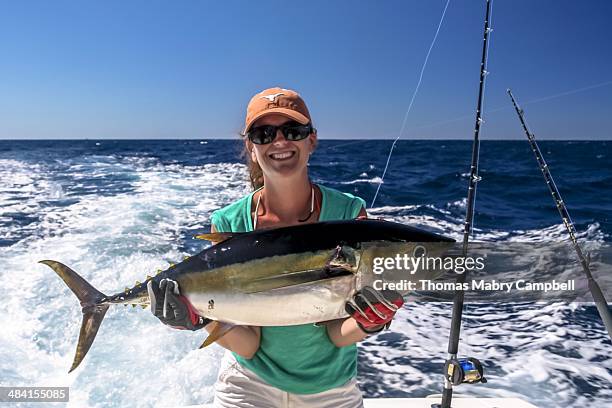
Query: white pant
(239, 387)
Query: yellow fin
(149, 277)
(137, 283)
(215, 236)
(220, 330)
(158, 272)
(127, 290)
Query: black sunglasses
(293, 132)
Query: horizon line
(321, 139)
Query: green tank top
(298, 359)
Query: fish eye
(419, 251)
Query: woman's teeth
(282, 156)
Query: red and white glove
(372, 309)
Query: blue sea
(116, 211)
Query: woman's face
(281, 157)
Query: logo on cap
(272, 97)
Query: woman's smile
(282, 156)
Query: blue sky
(153, 69)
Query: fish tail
(92, 306)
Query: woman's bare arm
(362, 213)
(344, 332)
(242, 340)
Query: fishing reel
(460, 371)
(464, 371)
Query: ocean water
(118, 210)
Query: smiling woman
(279, 139)
(287, 110)
(309, 365)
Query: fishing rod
(600, 301)
(466, 370)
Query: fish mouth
(281, 156)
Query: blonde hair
(255, 173)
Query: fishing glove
(172, 308)
(373, 309)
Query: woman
(305, 365)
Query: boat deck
(458, 402)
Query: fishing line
(416, 90)
(586, 88)
(537, 100)
(464, 117)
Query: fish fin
(92, 306)
(220, 330)
(286, 280)
(216, 236)
(342, 258)
(324, 323)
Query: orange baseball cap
(276, 100)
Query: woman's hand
(373, 310)
(173, 309)
(344, 332)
